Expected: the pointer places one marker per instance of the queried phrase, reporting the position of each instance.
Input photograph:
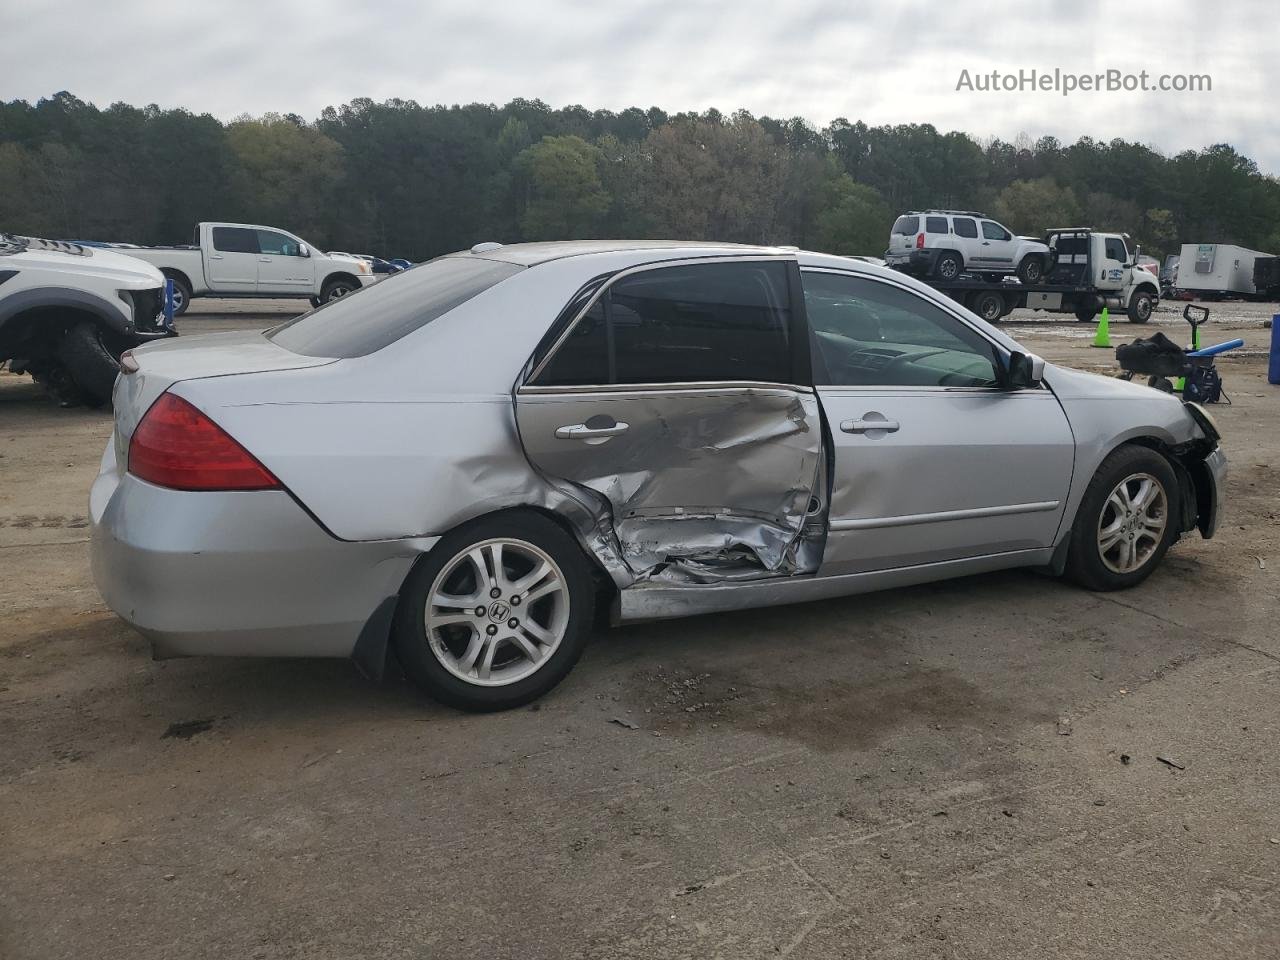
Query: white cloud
(879, 62)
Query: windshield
(370, 319)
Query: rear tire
(91, 364)
(948, 266)
(1118, 538)
(989, 305)
(509, 648)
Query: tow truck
(1086, 271)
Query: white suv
(946, 243)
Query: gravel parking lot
(1000, 766)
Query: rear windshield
(906, 225)
(360, 323)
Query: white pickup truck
(247, 260)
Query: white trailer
(1220, 269)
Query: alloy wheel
(1132, 523)
(497, 611)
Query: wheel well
(1181, 460)
(173, 274)
(341, 275)
(34, 333)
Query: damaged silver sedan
(468, 461)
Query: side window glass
(721, 321)
(235, 240)
(874, 334)
(277, 244)
(965, 227)
(993, 231)
(683, 324)
(582, 359)
(1115, 250)
(936, 225)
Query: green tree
(1034, 206)
(854, 221)
(563, 197)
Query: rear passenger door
(681, 397)
(965, 234)
(231, 260)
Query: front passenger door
(281, 266)
(934, 461)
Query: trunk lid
(161, 365)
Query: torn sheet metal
(703, 485)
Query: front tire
(497, 613)
(1141, 304)
(1031, 269)
(1126, 522)
(337, 289)
(91, 364)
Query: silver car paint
(389, 451)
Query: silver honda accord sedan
(464, 464)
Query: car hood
(1069, 384)
(129, 272)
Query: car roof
(531, 254)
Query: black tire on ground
(181, 296)
(316, 301)
(1031, 269)
(409, 631)
(336, 289)
(1140, 306)
(1086, 314)
(987, 304)
(948, 266)
(91, 364)
(1085, 563)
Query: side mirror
(303, 251)
(1026, 370)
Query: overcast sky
(892, 61)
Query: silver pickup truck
(247, 260)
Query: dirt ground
(964, 770)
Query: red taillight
(177, 446)
(919, 241)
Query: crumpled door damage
(703, 484)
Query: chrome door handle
(264, 259)
(215, 256)
(580, 431)
(863, 426)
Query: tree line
(401, 179)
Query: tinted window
(965, 227)
(358, 324)
(582, 359)
(936, 225)
(698, 323)
(873, 334)
(1115, 249)
(235, 240)
(277, 243)
(993, 231)
(906, 225)
(1072, 246)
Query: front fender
(114, 315)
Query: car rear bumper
(235, 573)
(917, 261)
